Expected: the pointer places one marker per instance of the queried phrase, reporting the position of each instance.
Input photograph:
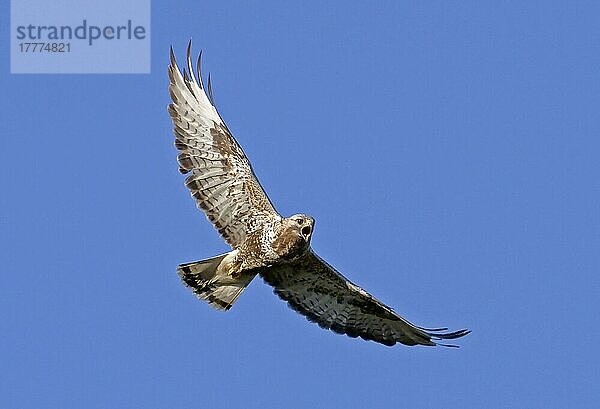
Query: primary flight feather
(221, 180)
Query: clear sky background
(448, 151)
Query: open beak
(306, 232)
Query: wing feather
(221, 179)
(316, 290)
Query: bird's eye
(299, 220)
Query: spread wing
(221, 178)
(316, 290)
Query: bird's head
(292, 236)
(302, 224)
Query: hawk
(223, 184)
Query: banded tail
(213, 284)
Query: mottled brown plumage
(222, 182)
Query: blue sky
(448, 151)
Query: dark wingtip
(433, 329)
(172, 56)
(210, 92)
(449, 335)
(455, 334)
(189, 52)
(198, 68)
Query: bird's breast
(289, 244)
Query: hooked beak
(307, 228)
(306, 231)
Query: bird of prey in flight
(223, 184)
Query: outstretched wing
(221, 177)
(316, 290)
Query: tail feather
(219, 289)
